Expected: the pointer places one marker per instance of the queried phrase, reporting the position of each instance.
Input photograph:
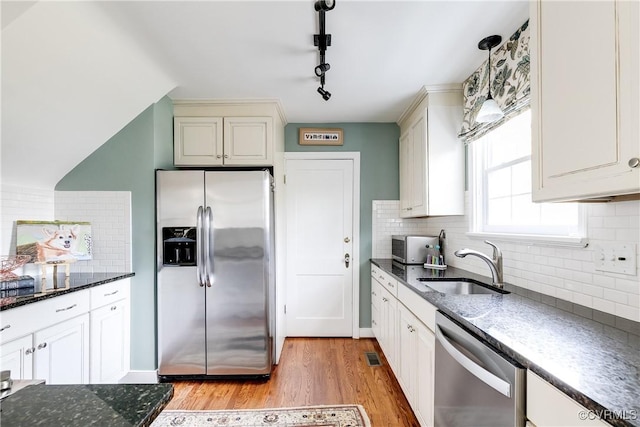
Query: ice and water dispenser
(179, 246)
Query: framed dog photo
(54, 241)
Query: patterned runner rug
(307, 416)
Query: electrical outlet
(616, 258)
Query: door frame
(354, 156)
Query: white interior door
(320, 224)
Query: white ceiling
(382, 52)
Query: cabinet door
(376, 301)
(17, 357)
(419, 184)
(389, 327)
(110, 342)
(62, 352)
(406, 174)
(424, 357)
(197, 141)
(584, 86)
(407, 343)
(248, 141)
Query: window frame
(478, 183)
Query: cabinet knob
(634, 162)
(219, 156)
(29, 350)
(226, 156)
(41, 346)
(114, 308)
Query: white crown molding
(234, 101)
(422, 94)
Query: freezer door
(181, 297)
(238, 341)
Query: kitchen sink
(460, 287)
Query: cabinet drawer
(109, 292)
(549, 407)
(385, 280)
(421, 308)
(24, 320)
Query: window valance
(510, 85)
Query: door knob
(347, 258)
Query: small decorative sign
(320, 136)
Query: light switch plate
(616, 258)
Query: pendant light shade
(490, 110)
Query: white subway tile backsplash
(109, 213)
(565, 273)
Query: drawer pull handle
(114, 308)
(384, 299)
(65, 309)
(41, 346)
(112, 293)
(5, 327)
(390, 284)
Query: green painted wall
(378, 147)
(126, 163)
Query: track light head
(324, 5)
(321, 69)
(325, 94)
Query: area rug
(307, 416)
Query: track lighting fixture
(490, 110)
(321, 69)
(322, 41)
(325, 94)
(324, 5)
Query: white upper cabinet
(431, 155)
(584, 99)
(248, 140)
(212, 133)
(197, 141)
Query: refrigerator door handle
(199, 247)
(210, 246)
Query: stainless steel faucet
(495, 263)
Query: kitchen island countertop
(591, 356)
(113, 405)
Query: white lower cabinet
(549, 407)
(78, 338)
(110, 342)
(62, 352)
(388, 328)
(408, 344)
(17, 356)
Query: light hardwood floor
(312, 371)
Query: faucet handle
(497, 253)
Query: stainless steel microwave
(412, 249)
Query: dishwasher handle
(498, 384)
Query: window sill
(533, 240)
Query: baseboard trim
(140, 377)
(366, 333)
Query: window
(501, 187)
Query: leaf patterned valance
(509, 86)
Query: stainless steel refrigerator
(215, 273)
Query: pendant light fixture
(490, 110)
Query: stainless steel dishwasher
(474, 385)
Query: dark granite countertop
(113, 405)
(591, 356)
(60, 285)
